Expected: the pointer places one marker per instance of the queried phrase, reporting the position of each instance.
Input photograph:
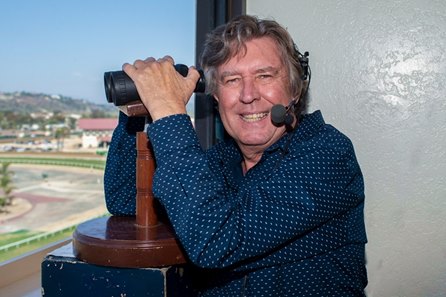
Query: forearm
(120, 170)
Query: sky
(63, 47)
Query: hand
(162, 90)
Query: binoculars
(120, 89)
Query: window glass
(55, 121)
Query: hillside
(24, 102)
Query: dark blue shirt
(292, 226)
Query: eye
(231, 81)
(264, 77)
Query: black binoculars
(121, 90)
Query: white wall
(379, 75)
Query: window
(55, 123)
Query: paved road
(52, 198)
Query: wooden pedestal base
(120, 242)
(141, 241)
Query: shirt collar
(309, 124)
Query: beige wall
(379, 75)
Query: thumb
(193, 75)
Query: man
(275, 211)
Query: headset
(284, 115)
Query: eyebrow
(260, 70)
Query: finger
(150, 59)
(139, 63)
(169, 59)
(128, 68)
(166, 59)
(193, 73)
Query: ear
(215, 97)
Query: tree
(60, 134)
(96, 114)
(6, 185)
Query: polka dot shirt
(292, 226)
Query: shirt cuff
(131, 124)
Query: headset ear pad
(303, 62)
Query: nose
(249, 91)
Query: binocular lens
(119, 88)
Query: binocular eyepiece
(121, 90)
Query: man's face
(249, 85)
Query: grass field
(23, 234)
(72, 162)
(15, 236)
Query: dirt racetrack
(50, 198)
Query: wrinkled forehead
(238, 49)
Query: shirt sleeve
(120, 169)
(220, 226)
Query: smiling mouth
(254, 117)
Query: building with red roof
(96, 132)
